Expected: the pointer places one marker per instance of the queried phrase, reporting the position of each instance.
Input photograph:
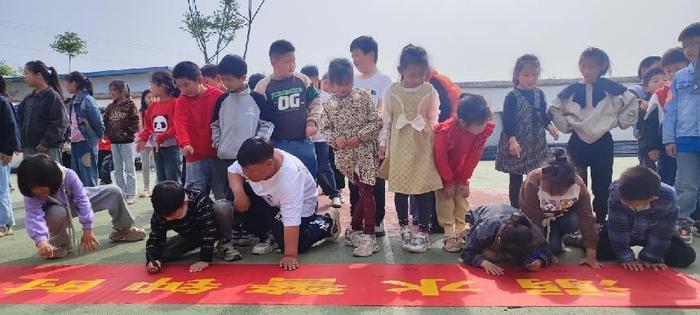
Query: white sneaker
(351, 237)
(406, 234)
(336, 203)
(130, 200)
(228, 252)
(366, 245)
(266, 247)
(146, 193)
(379, 230)
(418, 244)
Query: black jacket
(43, 119)
(9, 141)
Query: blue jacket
(89, 117)
(682, 117)
(651, 228)
(9, 127)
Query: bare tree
(248, 19)
(222, 24)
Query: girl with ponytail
(159, 128)
(42, 116)
(86, 128)
(556, 199)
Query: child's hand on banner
(199, 266)
(289, 263)
(154, 267)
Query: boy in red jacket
(459, 143)
(193, 112)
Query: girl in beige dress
(411, 109)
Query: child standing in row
(410, 113)
(193, 113)
(352, 123)
(672, 61)
(459, 143)
(293, 105)
(523, 144)
(326, 175)
(365, 53)
(86, 128)
(146, 151)
(9, 144)
(121, 124)
(589, 109)
(653, 79)
(681, 131)
(159, 128)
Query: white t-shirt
(292, 189)
(377, 85)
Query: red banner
(342, 284)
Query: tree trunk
(69, 60)
(250, 23)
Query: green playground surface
(487, 185)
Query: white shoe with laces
(366, 245)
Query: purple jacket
(34, 219)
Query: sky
(468, 40)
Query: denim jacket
(653, 227)
(89, 117)
(682, 113)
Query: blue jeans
(687, 183)
(6, 216)
(566, 224)
(123, 155)
(304, 150)
(203, 176)
(326, 175)
(168, 163)
(84, 162)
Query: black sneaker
(685, 231)
(573, 240)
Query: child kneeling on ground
(53, 194)
(195, 218)
(501, 233)
(284, 192)
(642, 211)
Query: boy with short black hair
(681, 131)
(194, 217)
(326, 175)
(284, 192)
(292, 103)
(211, 76)
(193, 116)
(642, 211)
(653, 79)
(459, 144)
(236, 118)
(365, 53)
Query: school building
(495, 92)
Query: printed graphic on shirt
(160, 123)
(288, 99)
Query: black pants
(104, 166)
(598, 156)
(516, 181)
(424, 201)
(339, 177)
(312, 229)
(252, 221)
(679, 254)
(379, 199)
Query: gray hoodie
(236, 118)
